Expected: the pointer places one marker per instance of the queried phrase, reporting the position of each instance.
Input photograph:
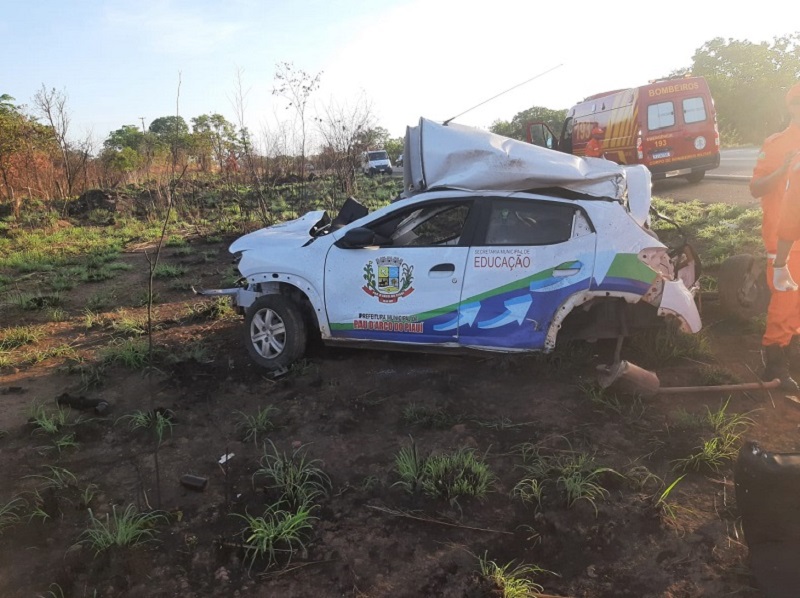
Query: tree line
(41, 159)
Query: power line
(447, 122)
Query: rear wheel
(696, 176)
(742, 286)
(275, 333)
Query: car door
(403, 283)
(530, 255)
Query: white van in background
(374, 162)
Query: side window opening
(660, 116)
(531, 223)
(438, 224)
(694, 110)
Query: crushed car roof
(461, 157)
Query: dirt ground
(349, 409)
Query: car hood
(294, 233)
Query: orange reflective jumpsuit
(783, 314)
(789, 224)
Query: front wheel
(275, 332)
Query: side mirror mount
(357, 238)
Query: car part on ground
(627, 377)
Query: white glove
(782, 280)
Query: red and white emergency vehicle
(669, 126)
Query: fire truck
(670, 126)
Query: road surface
(726, 184)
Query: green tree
(748, 82)
(517, 128)
(171, 132)
(128, 136)
(214, 138)
(394, 147)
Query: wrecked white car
(495, 245)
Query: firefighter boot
(776, 366)
(793, 354)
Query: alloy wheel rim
(268, 333)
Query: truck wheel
(275, 333)
(742, 286)
(696, 176)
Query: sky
(127, 63)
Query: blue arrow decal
(516, 310)
(543, 283)
(466, 315)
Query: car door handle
(444, 268)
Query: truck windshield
(378, 156)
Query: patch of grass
(664, 505)
(275, 534)
(717, 230)
(195, 351)
(131, 353)
(511, 580)
(101, 300)
(129, 325)
(579, 477)
(92, 319)
(251, 426)
(91, 374)
(35, 301)
(57, 351)
(298, 480)
(126, 529)
(49, 422)
(57, 314)
(713, 375)
(183, 252)
(575, 475)
(457, 474)
(168, 271)
(11, 338)
(159, 420)
(427, 416)
(448, 475)
(6, 360)
(410, 467)
(57, 478)
(230, 277)
(218, 308)
(631, 409)
(10, 513)
(176, 241)
(720, 448)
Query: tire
(734, 299)
(696, 176)
(274, 332)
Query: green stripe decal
(628, 265)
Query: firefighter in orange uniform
(594, 147)
(769, 183)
